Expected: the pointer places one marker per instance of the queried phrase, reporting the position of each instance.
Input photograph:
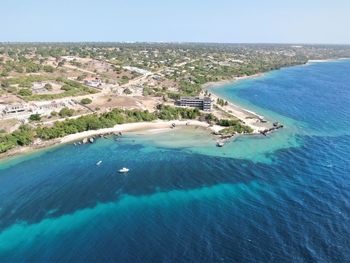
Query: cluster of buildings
(22, 111)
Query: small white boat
(220, 144)
(124, 170)
(99, 163)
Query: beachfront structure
(196, 102)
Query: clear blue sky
(269, 21)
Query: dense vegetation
(166, 112)
(66, 112)
(35, 117)
(233, 126)
(23, 136)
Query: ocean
(280, 198)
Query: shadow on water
(67, 179)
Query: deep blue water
(178, 205)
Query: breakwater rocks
(92, 139)
(276, 126)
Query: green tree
(35, 117)
(127, 91)
(48, 68)
(24, 135)
(25, 92)
(66, 112)
(86, 101)
(66, 87)
(48, 86)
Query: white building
(137, 70)
(93, 82)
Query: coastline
(137, 126)
(311, 61)
(149, 127)
(248, 117)
(218, 84)
(252, 119)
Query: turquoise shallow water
(279, 198)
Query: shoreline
(134, 127)
(245, 115)
(151, 127)
(218, 84)
(311, 61)
(250, 118)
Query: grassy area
(70, 87)
(70, 93)
(26, 81)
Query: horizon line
(171, 42)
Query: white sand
(152, 127)
(248, 117)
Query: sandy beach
(248, 117)
(146, 127)
(310, 61)
(224, 82)
(155, 126)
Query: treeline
(112, 118)
(25, 135)
(166, 112)
(93, 122)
